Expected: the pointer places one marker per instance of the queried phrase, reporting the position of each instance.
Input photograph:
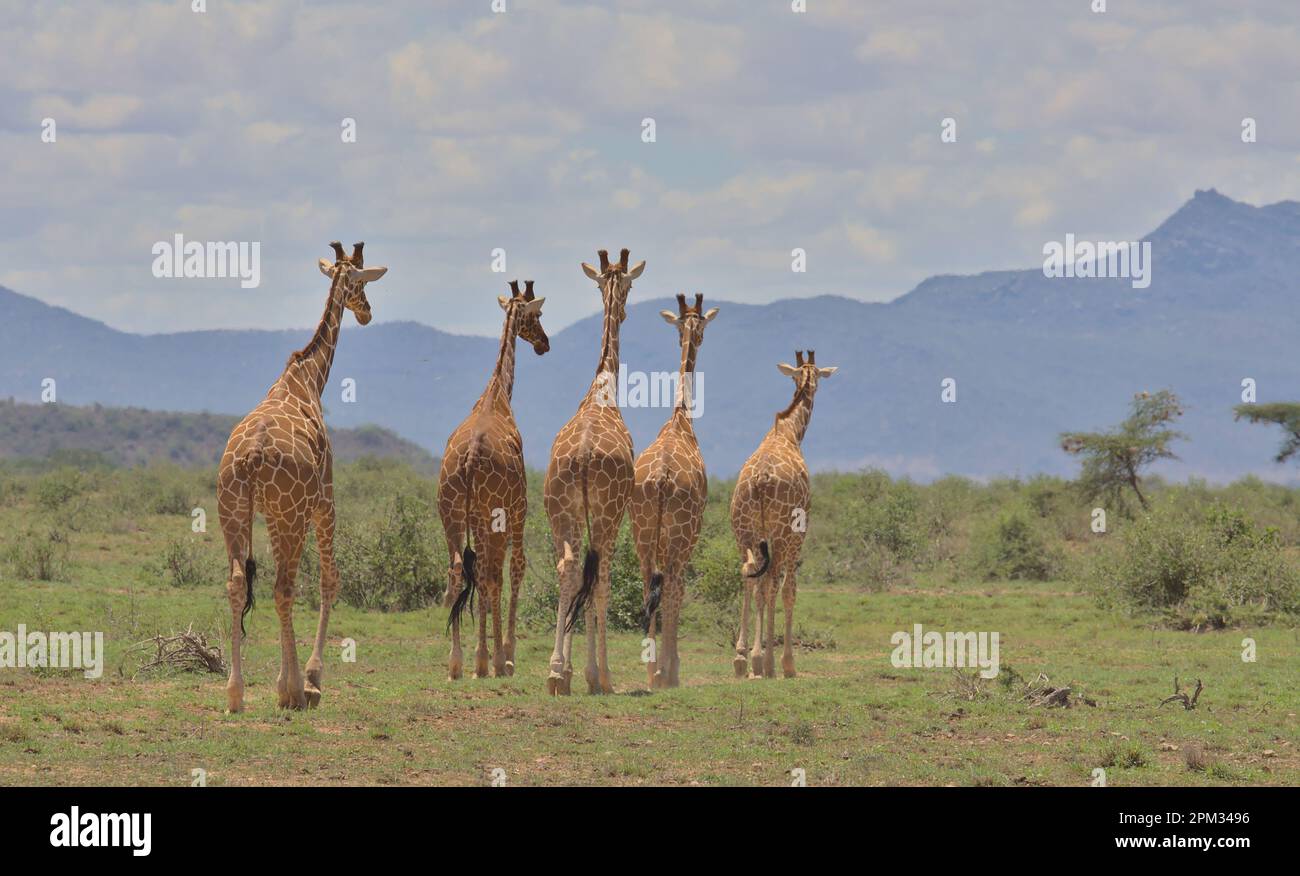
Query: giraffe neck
(793, 421)
(608, 353)
(685, 383)
(309, 369)
(503, 375)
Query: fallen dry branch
(1041, 692)
(182, 652)
(966, 687)
(1189, 703)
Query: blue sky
(522, 130)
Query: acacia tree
(1113, 461)
(1284, 414)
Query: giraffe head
(351, 272)
(806, 374)
(615, 281)
(690, 319)
(528, 308)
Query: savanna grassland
(1115, 615)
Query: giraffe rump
(652, 601)
(590, 568)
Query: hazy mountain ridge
(134, 436)
(1032, 357)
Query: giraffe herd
(278, 463)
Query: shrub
(1012, 548)
(392, 564)
(60, 487)
(1218, 570)
(185, 563)
(39, 555)
(877, 533)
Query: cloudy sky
(522, 131)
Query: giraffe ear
(534, 306)
(708, 317)
(503, 301)
(590, 271)
(669, 317)
(827, 372)
(787, 370)
(636, 271)
(368, 275)
(327, 268)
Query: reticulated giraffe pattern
(483, 496)
(668, 495)
(278, 463)
(769, 514)
(587, 488)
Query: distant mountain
(1032, 357)
(132, 436)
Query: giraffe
(668, 500)
(278, 461)
(588, 484)
(483, 494)
(769, 511)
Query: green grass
(849, 718)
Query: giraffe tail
(652, 601)
(250, 572)
(590, 571)
(468, 584)
(469, 559)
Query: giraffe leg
(455, 659)
(760, 608)
(235, 592)
(518, 564)
(647, 569)
(481, 653)
(670, 633)
(769, 637)
(741, 662)
(592, 672)
(602, 609)
(236, 515)
(287, 541)
(568, 569)
(787, 596)
(495, 597)
(329, 588)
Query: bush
(1218, 570)
(40, 555)
(185, 563)
(60, 487)
(875, 533)
(392, 564)
(1012, 548)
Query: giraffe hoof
(557, 684)
(741, 665)
(510, 667)
(312, 697)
